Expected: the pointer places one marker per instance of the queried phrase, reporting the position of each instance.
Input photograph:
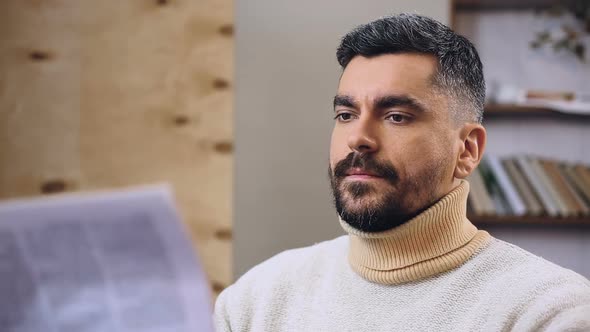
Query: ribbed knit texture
(437, 240)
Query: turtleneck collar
(439, 239)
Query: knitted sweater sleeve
(564, 306)
(221, 316)
(572, 319)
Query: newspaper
(113, 262)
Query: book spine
(474, 203)
(533, 205)
(531, 174)
(486, 206)
(581, 182)
(584, 207)
(568, 192)
(584, 174)
(561, 188)
(505, 185)
(553, 193)
(500, 203)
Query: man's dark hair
(460, 72)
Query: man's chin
(366, 222)
(358, 205)
(372, 221)
(369, 214)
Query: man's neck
(438, 239)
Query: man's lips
(361, 173)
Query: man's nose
(362, 139)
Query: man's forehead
(389, 71)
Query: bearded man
(407, 133)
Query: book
(571, 206)
(554, 194)
(578, 183)
(480, 199)
(500, 202)
(109, 261)
(474, 201)
(530, 199)
(583, 205)
(533, 178)
(584, 174)
(512, 197)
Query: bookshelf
(487, 23)
(527, 190)
(493, 111)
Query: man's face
(393, 149)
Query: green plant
(571, 36)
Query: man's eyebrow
(392, 101)
(343, 100)
(384, 102)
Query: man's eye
(343, 117)
(397, 118)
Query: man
(407, 133)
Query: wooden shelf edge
(530, 221)
(479, 5)
(508, 110)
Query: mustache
(366, 162)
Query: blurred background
(230, 102)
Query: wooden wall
(107, 94)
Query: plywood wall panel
(39, 97)
(132, 92)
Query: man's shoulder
(505, 273)
(536, 293)
(297, 260)
(292, 266)
(510, 261)
(267, 285)
(506, 262)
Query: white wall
(286, 77)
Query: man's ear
(473, 142)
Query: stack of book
(529, 186)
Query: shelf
(502, 4)
(530, 221)
(507, 110)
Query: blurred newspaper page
(89, 262)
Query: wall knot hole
(53, 186)
(226, 30)
(39, 55)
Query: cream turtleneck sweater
(437, 240)
(436, 272)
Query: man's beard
(386, 209)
